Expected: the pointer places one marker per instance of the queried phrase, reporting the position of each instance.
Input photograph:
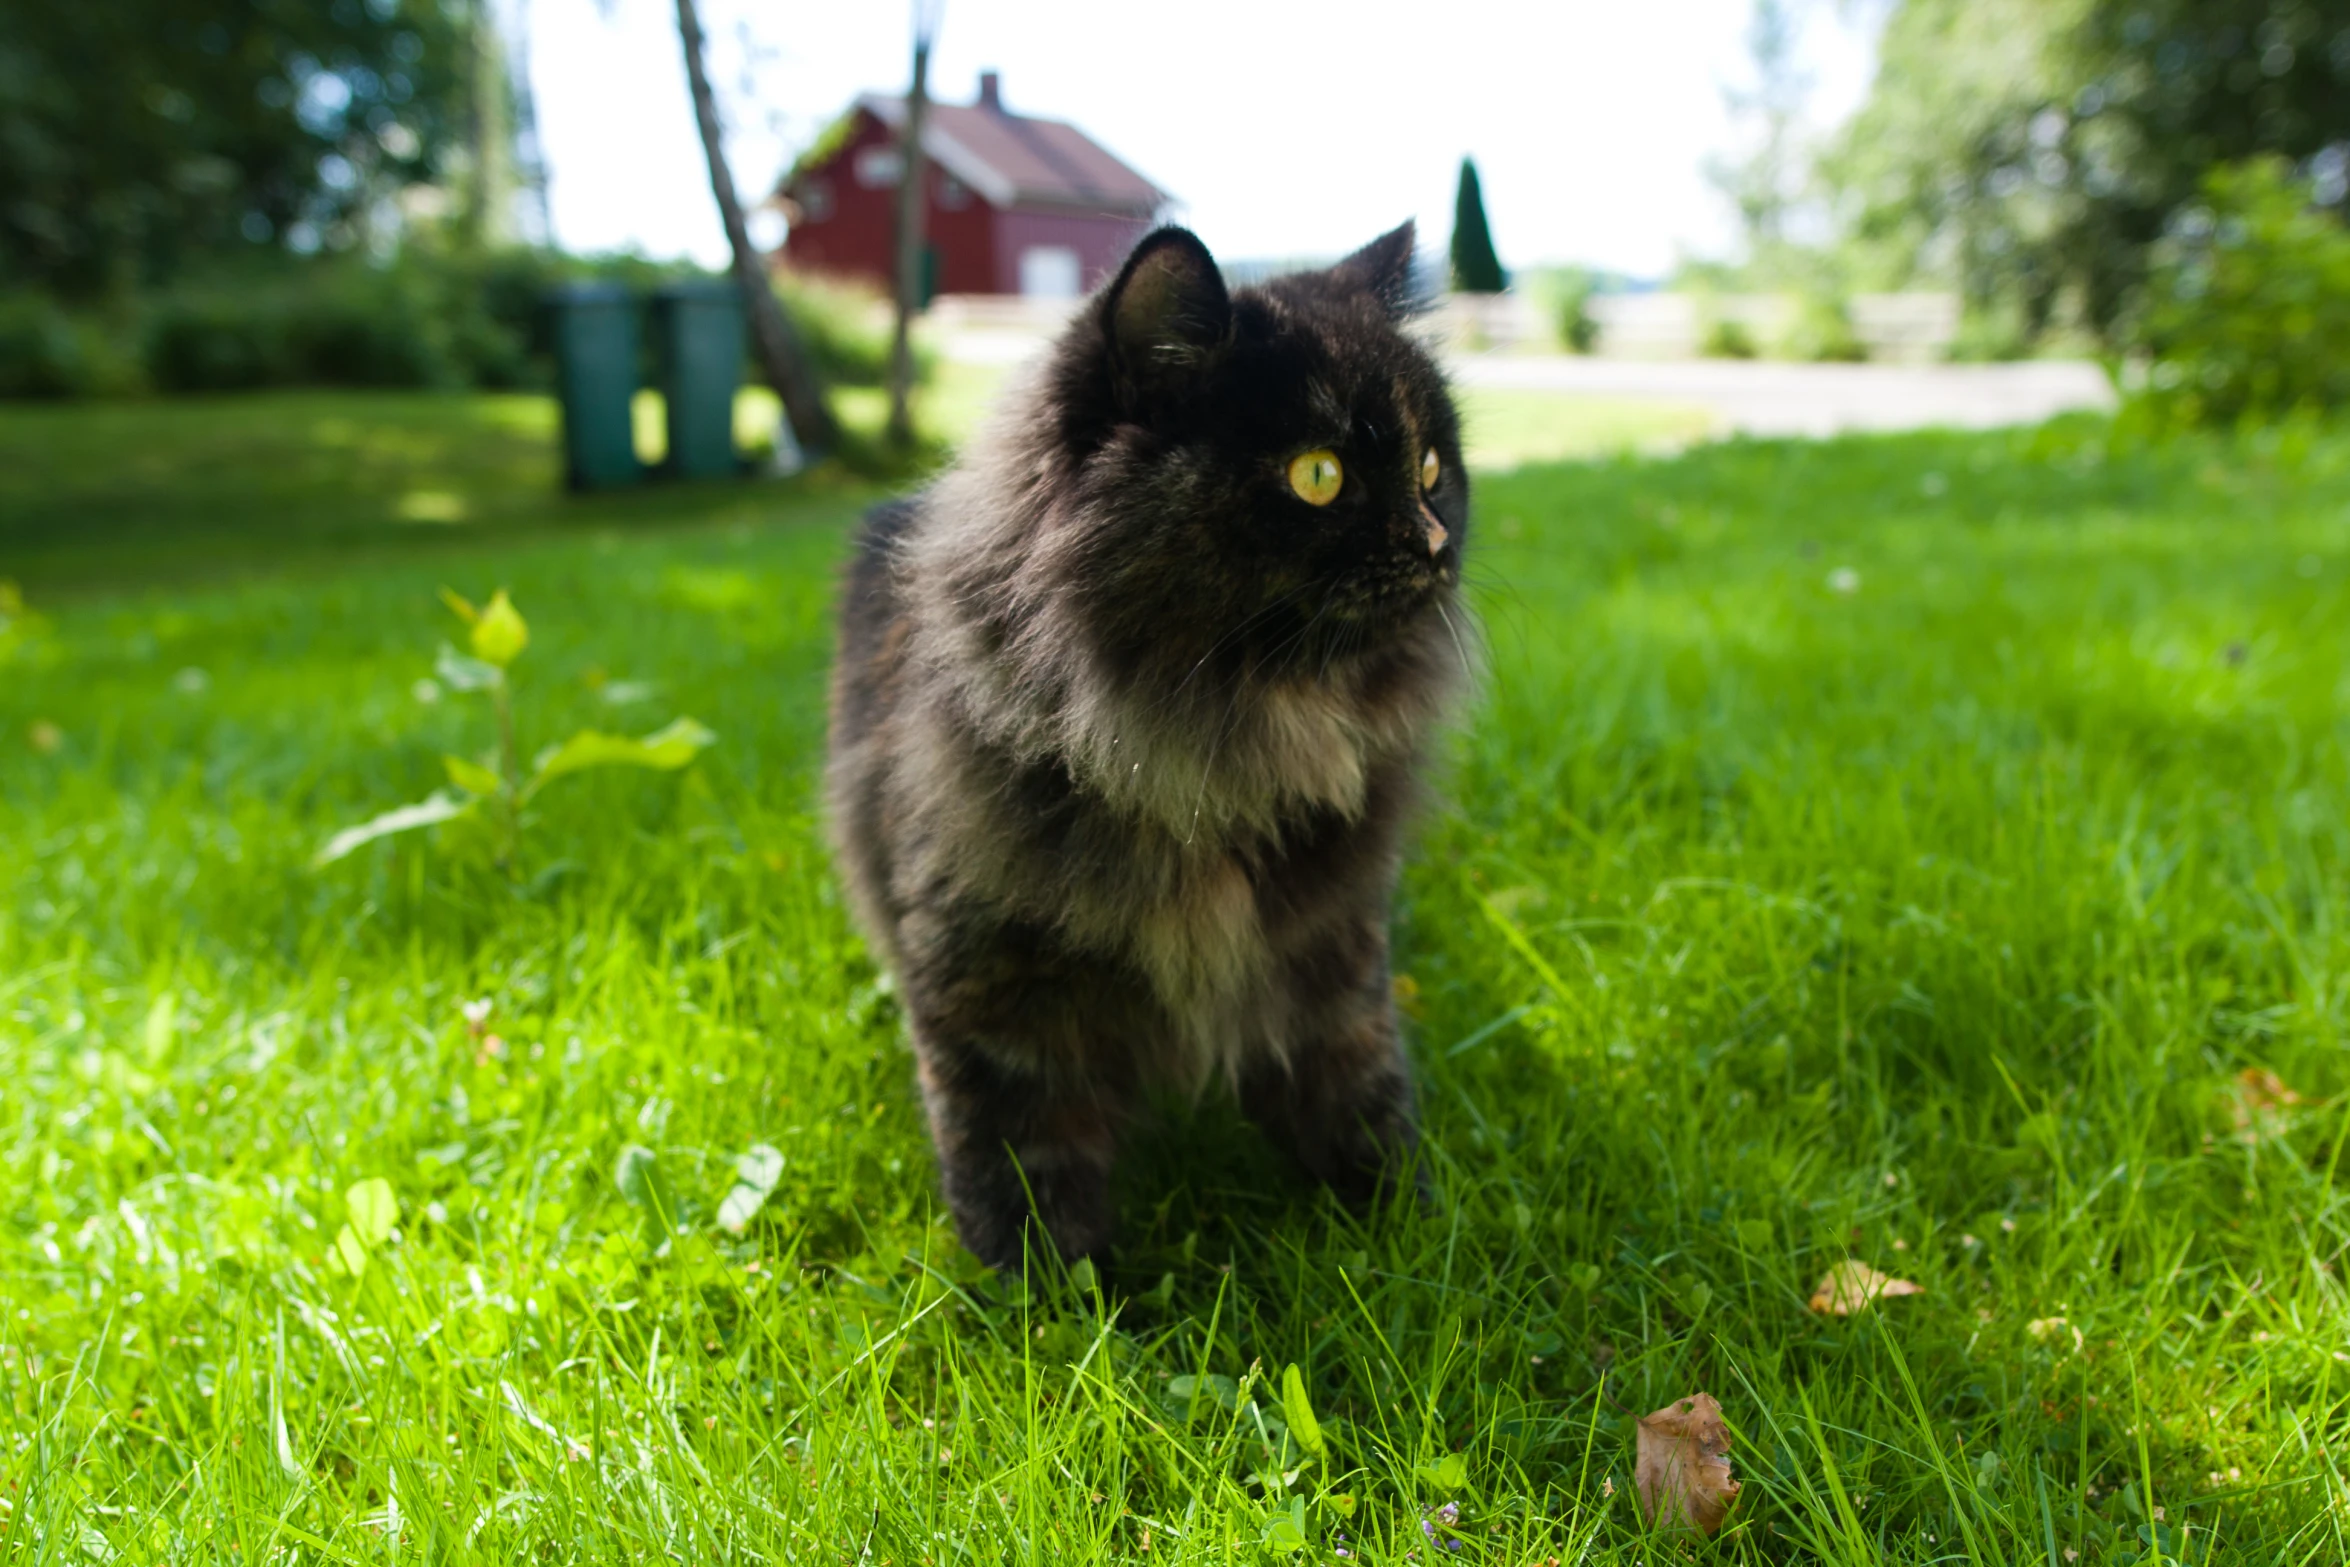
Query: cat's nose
(1433, 530)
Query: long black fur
(1125, 734)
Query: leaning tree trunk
(910, 204)
(772, 336)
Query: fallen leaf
(2264, 1090)
(2260, 1102)
(1852, 1285)
(1682, 1472)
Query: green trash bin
(597, 338)
(700, 329)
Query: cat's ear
(1383, 269)
(1168, 313)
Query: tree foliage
(2033, 152)
(1766, 183)
(1476, 268)
(2248, 305)
(138, 135)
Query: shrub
(327, 324)
(1726, 337)
(362, 327)
(846, 330)
(1578, 328)
(431, 318)
(209, 341)
(1822, 330)
(1991, 332)
(501, 331)
(41, 349)
(2247, 315)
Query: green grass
(1508, 427)
(1764, 924)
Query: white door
(1048, 272)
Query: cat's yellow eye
(1316, 476)
(1430, 470)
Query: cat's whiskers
(1521, 617)
(1467, 663)
(1247, 623)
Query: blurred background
(1643, 225)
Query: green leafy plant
(2248, 312)
(1300, 1410)
(497, 793)
(1822, 330)
(846, 329)
(1727, 337)
(373, 1211)
(1578, 328)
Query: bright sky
(1286, 128)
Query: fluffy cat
(1127, 721)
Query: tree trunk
(490, 128)
(911, 190)
(773, 338)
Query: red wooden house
(1016, 205)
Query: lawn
(1931, 850)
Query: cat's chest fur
(1203, 945)
(1213, 924)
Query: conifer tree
(1475, 267)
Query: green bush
(217, 341)
(495, 304)
(2247, 316)
(328, 324)
(1725, 337)
(431, 318)
(41, 349)
(1822, 330)
(846, 330)
(428, 319)
(1995, 331)
(1578, 328)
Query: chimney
(991, 92)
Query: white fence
(1894, 328)
(1899, 328)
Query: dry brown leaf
(2264, 1090)
(1852, 1285)
(1682, 1473)
(2260, 1103)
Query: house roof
(1015, 160)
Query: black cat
(1126, 726)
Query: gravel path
(1752, 396)
(1762, 398)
